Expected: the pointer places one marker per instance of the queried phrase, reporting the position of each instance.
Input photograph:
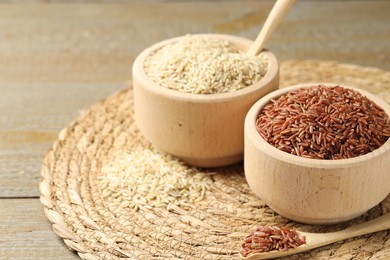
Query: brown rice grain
(269, 238)
(324, 123)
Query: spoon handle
(375, 225)
(277, 14)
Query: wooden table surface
(56, 59)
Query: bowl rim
(255, 138)
(139, 73)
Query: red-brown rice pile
(267, 238)
(324, 123)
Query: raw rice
(324, 123)
(269, 238)
(200, 65)
(148, 178)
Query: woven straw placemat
(100, 225)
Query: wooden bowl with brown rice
(192, 93)
(318, 156)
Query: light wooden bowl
(314, 191)
(202, 130)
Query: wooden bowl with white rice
(318, 153)
(191, 95)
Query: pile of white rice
(200, 65)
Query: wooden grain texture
(97, 43)
(26, 234)
(31, 116)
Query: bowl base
(213, 162)
(317, 220)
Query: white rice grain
(200, 65)
(147, 177)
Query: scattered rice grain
(147, 177)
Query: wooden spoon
(314, 240)
(277, 14)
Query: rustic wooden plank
(25, 232)
(30, 119)
(97, 43)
